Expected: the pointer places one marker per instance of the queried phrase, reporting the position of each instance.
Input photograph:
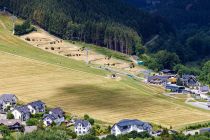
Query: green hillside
(31, 74)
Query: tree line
(106, 23)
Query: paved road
(202, 105)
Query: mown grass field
(33, 74)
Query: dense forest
(190, 20)
(108, 23)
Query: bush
(32, 122)
(48, 134)
(92, 121)
(24, 28)
(86, 117)
(10, 116)
(88, 137)
(37, 115)
(4, 130)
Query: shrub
(91, 120)
(24, 28)
(88, 137)
(32, 122)
(10, 115)
(86, 117)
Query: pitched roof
(187, 76)
(84, 123)
(123, 124)
(160, 77)
(51, 116)
(57, 111)
(37, 104)
(23, 109)
(10, 122)
(7, 97)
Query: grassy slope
(104, 51)
(80, 89)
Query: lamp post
(87, 61)
(14, 18)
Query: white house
(7, 100)
(127, 126)
(22, 113)
(55, 115)
(82, 127)
(36, 107)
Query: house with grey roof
(127, 126)
(158, 79)
(82, 127)
(7, 101)
(189, 81)
(55, 115)
(12, 124)
(21, 112)
(36, 107)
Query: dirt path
(50, 43)
(3, 25)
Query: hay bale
(52, 48)
(46, 48)
(27, 39)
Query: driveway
(3, 116)
(202, 105)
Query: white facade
(116, 130)
(17, 114)
(20, 116)
(32, 110)
(82, 130)
(47, 121)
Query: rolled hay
(46, 48)
(59, 48)
(52, 48)
(27, 39)
(69, 55)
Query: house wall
(47, 120)
(82, 130)
(116, 131)
(17, 115)
(32, 110)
